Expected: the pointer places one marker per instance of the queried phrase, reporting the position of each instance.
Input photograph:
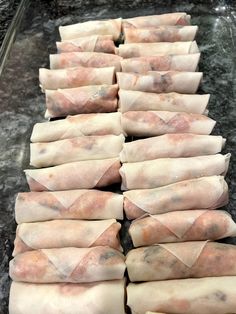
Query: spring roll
(152, 123)
(75, 149)
(75, 77)
(66, 233)
(171, 145)
(104, 27)
(189, 296)
(176, 18)
(130, 100)
(189, 225)
(160, 34)
(86, 174)
(79, 125)
(93, 43)
(84, 59)
(187, 63)
(74, 204)
(91, 298)
(181, 260)
(76, 265)
(189, 194)
(160, 81)
(163, 171)
(85, 99)
(153, 49)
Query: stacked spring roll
(67, 251)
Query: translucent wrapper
(185, 62)
(74, 204)
(177, 18)
(153, 49)
(189, 194)
(171, 145)
(84, 59)
(79, 125)
(91, 298)
(93, 43)
(163, 171)
(189, 296)
(152, 123)
(76, 265)
(103, 27)
(160, 34)
(74, 175)
(66, 233)
(85, 99)
(75, 77)
(181, 260)
(190, 225)
(160, 81)
(75, 149)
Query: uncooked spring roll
(183, 195)
(76, 265)
(187, 63)
(153, 49)
(74, 204)
(171, 145)
(163, 171)
(79, 125)
(85, 99)
(181, 260)
(160, 81)
(75, 77)
(94, 43)
(85, 174)
(152, 123)
(91, 298)
(84, 59)
(189, 296)
(103, 27)
(160, 34)
(189, 225)
(176, 18)
(66, 233)
(75, 149)
(130, 100)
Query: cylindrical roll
(66, 233)
(160, 34)
(181, 260)
(84, 59)
(163, 171)
(75, 175)
(75, 149)
(183, 195)
(152, 123)
(202, 295)
(160, 81)
(74, 204)
(75, 77)
(95, 43)
(171, 145)
(91, 298)
(76, 265)
(187, 63)
(85, 99)
(153, 49)
(79, 125)
(189, 225)
(103, 27)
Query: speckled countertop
(22, 103)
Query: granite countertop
(22, 103)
